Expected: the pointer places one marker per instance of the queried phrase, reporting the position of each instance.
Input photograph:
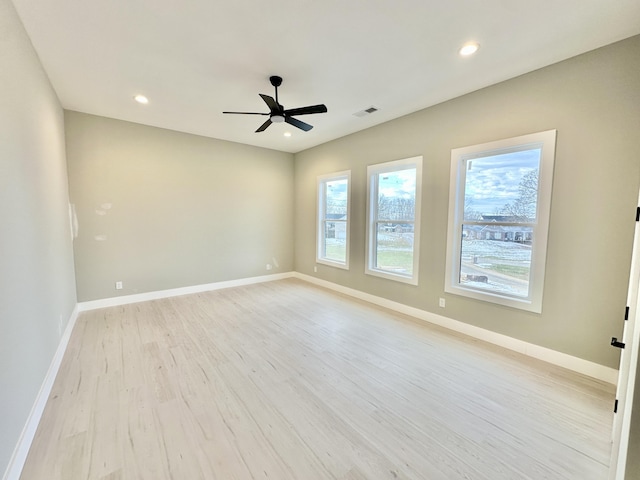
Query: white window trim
(372, 194)
(459, 156)
(320, 218)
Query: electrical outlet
(118, 285)
(269, 267)
(442, 302)
(315, 269)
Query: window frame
(459, 156)
(373, 171)
(321, 219)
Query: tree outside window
(498, 220)
(333, 220)
(393, 219)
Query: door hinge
(626, 313)
(615, 406)
(616, 343)
(638, 215)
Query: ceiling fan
(277, 113)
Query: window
(393, 219)
(333, 219)
(500, 196)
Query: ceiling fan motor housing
(275, 80)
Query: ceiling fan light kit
(278, 114)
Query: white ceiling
(196, 58)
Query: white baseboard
(585, 367)
(175, 292)
(576, 364)
(16, 463)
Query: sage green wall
(158, 209)
(593, 102)
(37, 286)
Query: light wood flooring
(285, 380)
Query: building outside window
(393, 219)
(332, 245)
(500, 196)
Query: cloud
(492, 182)
(337, 190)
(401, 184)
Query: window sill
(391, 276)
(329, 263)
(526, 304)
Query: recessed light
(141, 99)
(468, 49)
(287, 134)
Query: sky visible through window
(334, 199)
(399, 184)
(494, 181)
(499, 199)
(337, 196)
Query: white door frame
(628, 367)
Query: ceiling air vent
(366, 111)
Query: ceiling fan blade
(271, 103)
(307, 110)
(247, 113)
(264, 126)
(277, 113)
(297, 123)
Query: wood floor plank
(284, 380)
